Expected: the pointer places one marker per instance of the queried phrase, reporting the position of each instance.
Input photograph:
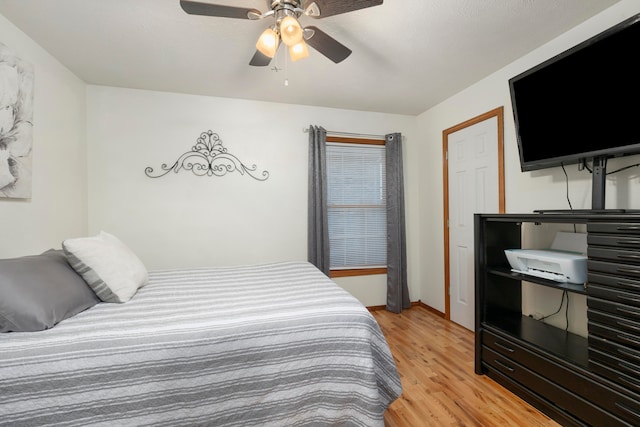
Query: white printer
(565, 261)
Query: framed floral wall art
(16, 125)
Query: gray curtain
(397, 287)
(318, 225)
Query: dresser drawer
(630, 382)
(542, 364)
(616, 350)
(615, 268)
(631, 285)
(623, 325)
(569, 378)
(627, 256)
(629, 372)
(564, 399)
(615, 295)
(623, 310)
(512, 350)
(613, 334)
(614, 228)
(629, 242)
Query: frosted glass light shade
(298, 51)
(290, 31)
(268, 43)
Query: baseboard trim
(430, 309)
(413, 304)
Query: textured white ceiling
(408, 55)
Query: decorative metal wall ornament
(208, 158)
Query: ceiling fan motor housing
(283, 8)
(296, 6)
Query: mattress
(263, 345)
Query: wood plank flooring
(435, 359)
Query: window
(357, 216)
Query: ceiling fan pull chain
(286, 70)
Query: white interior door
(473, 176)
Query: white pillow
(108, 266)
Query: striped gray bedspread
(266, 345)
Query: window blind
(356, 194)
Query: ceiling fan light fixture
(298, 51)
(285, 27)
(290, 31)
(268, 43)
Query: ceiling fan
(285, 26)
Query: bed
(276, 344)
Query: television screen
(582, 103)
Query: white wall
(58, 206)
(524, 192)
(182, 220)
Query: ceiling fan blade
(335, 7)
(259, 59)
(208, 9)
(327, 45)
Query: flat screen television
(582, 105)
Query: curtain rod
(349, 134)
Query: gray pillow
(38, 291)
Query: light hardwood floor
(435, 359)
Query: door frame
(499, 114)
